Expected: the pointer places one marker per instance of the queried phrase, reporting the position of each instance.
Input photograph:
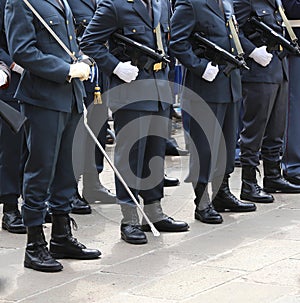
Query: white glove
(210, 72)
(3, 78)
(261, 56)
(126, 72)
(79, 70)
(17, 68)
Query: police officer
(221, 93)
(291, 157)
(264, 103)
(139, 21)
(93, 190)
(51, 95)
(10, 146)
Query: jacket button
(134, 30)
(230, 36)
(67, 21)
(71, 37)
(264, 11)
(232, 50)
(50, 21)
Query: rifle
(11, 116)
(273, 39)
(155, 61)
(218, 55)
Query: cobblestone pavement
(251, 257)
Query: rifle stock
(274, 39)
(153, 56)
(12, 117)
(221, 54)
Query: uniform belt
(294, 23)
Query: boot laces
(74, 224)
(76, 243)
(43, 252)
(73, 240)
(258, 170)
(257, 188)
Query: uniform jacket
(267, 11)
(44, 82)
(83, 11)
(206, 18)
(131, 18)
(292, 10)
(8, 93)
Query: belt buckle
(157, 66)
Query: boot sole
(143, 241)
(14, 231)
(237, 210)
(95, 200)
(147, 228)
(207, 221)
(81, 212)
(66, 256)
(246, 198)
(281, 191)
(43, 269)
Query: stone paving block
(155, 264)
(9, 240)
(19, 282)
(95, 288)
(285, 273)
(290, 232)
(297, 257)
(257, 255)
(125, 298)
(288, 299)
(241, 292)
(122, 252)
(186, 282)
(230, 236)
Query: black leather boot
(225, 200)
(161, 221)
(12, 222)
(170, 181)
(63, 245)
(48, 217)
(131, 231)
(251, 191)
(275, 182)
(37, 256)
(205, 211)
(94, 192)
(80, 206)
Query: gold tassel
(97, 95)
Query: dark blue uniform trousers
(140, 139)
(264, 122)
(291, 157)
(212, 139)
(48, 173)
